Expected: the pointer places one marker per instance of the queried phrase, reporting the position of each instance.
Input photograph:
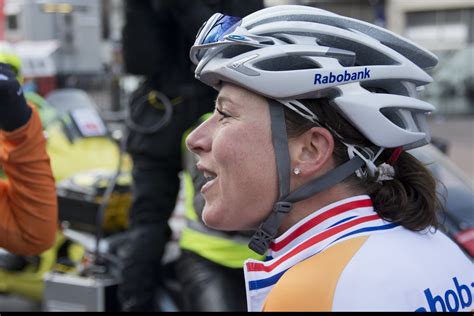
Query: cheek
(249, 156)
(248, 173)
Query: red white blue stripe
(349, 218)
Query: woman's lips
(208, 185)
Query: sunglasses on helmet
(211, 32)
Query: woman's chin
(216, 220)
(212, 219)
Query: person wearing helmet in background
(28, 207)
(307, 146)
(9, 56)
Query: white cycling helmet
(289, 53)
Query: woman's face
(236, 154)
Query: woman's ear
(311, 152)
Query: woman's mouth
(210, 180)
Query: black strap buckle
(282, 207)
(269, 228)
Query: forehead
(237, 97)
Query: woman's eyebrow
(223, 99)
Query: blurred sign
(89, 123)
(37, 57)
(57, 8)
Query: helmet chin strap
(268, 230)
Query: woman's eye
(222, 114)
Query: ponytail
(409, 199)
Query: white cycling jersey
(344, 257)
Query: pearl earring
(297, 171)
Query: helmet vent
(285, 63)
(393, 116)
(386, 86)
(365, 56)
(236, 50)
(283, 38)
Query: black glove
(14, 112)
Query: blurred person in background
(28, 207)
(156, 41)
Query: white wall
(437, 35)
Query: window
(12, 22)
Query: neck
(306, 207)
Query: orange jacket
(28, 204)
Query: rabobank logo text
(455, 299)
(343, 77)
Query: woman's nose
(199, 139)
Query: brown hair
(409, 199)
